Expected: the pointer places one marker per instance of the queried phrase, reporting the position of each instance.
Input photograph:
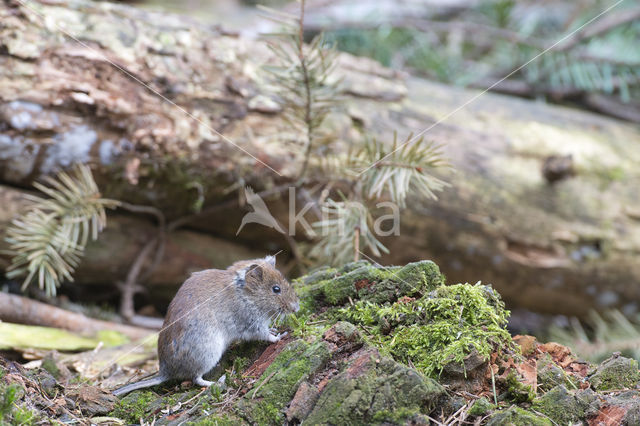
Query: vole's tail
(152, 381)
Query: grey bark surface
(566, 247)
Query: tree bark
(565, 247)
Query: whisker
(273, 317)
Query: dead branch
(601, 26)
(21, 310)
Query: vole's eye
(276, 289)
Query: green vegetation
(550, 375)
(378, 391)
(134, 406)
(616, 373)
(516, 416)
(488, 41)
(10, 412)
(372, 342)
(409, 313)
(48, 241)
(565, 407)
(224, 420)
(277, 385)
(371, 172)
(481, 407)
(444, 326)
(517, 391)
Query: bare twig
(131, 285)
(607, 23)
(263, 382)
(21, 310)
(144, 209)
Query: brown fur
(212, 309)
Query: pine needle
(47, 243)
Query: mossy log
(117, 98)
(332, 371)
(341, 365)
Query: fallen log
(563, 247)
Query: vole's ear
(240, 277)
(271, 260)
(254, 271)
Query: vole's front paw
(276, 337)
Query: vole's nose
(295, 306)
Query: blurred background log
(566, 246)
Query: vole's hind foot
(276, 337)
(202, 382)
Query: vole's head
(266, 287)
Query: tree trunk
(565, 247)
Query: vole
(212, 309)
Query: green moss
(616, 372)
(420, 275)
(565, 407)
(279, 382)
(481, 407)
(517, 391)
(408, 312)
(264, 413)
(134, 406)
(400, 416)
(516, 416)
(321, 274)
(367, 282)
(49, 364)
(340, 289)
(550, 375)
(223, 420)
(375, 389)
(306, 325)
(444, 325)
(290, 368)
(10, 411)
